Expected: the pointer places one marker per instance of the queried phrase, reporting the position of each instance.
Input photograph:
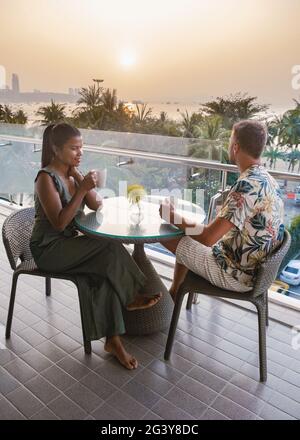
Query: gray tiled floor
(212, 374)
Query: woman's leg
(103, 258)
(103, 317)
(115, 346)
(107, 280)
(141, 302)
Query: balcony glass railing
(162, 165)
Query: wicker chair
(16, 233)
(258, 296)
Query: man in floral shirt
(229, 250)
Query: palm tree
(234, 108)
(92, 118)
(142, 113)
(6, 114)
(1, 113)
(210, 128)
(52, 114)
(293, 157)
(109, 100)
(274, 129)
(290, 127)
(187, 124)
(90, 96)
(297, 104)
(90, 114)
(20, 117)
(190, 123)
(273, 150)
(273, 154)
(122, 117)
(289, 134)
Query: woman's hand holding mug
(89, 181)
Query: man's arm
(207, 235)
(213, 232)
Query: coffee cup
(101, 178)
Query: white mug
(101, 178)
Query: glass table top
(117, 219)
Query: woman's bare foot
(143, 302)
(114, 346)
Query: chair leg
(267, 310)
(48, 286)
(87, 344)
(11, 306)
(190, 300)
(261, 312)
(87, 347)
(173, 325)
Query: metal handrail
(188, 161)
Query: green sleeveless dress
(107, 277)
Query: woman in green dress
(108, 279)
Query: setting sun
(128, 58)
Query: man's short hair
(251, 137)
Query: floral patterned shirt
(255, 207)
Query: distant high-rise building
(2, 77)
(71, 91)
(15, 83)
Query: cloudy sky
(184, 50)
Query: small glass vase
(135, 213)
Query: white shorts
(200, 259)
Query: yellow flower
(135, 193)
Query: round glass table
(118, 220)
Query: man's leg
(199, 259)
(171, 245)
(180, 270)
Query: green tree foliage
(284, 138)
(290, 135)
(234, 108)
(90, 96)
(20, 117)
(190, 124)
(51, 114)
(99, 108)
(8, 116)
(273, 154)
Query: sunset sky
(186, 50)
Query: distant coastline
(8, 96)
